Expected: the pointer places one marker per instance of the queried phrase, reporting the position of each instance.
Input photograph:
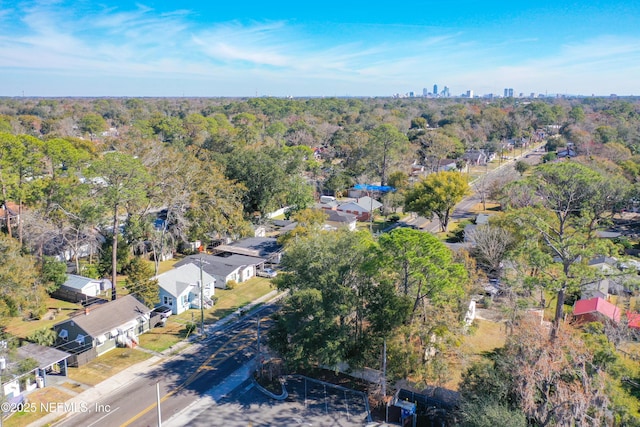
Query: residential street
(463, 210)
(183, 378)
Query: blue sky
(329, 48)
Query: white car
(267, 272)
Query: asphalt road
(463, 210)
(183, 378)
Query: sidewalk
(211, 397)
(110, 385)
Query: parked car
(163, 311)
(267, 272)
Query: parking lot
(247, 406)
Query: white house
(85, 285)
(226, 267)
(179, 289)
(336, 220)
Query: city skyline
(60, 48)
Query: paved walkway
(110, 385)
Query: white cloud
(144, 43)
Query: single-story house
(258, 247)
(86, 285)
(337, 219)
(102, 327)
(50, 361)
(478, 157)
(447, 165)
(179, 289)
(362, 207)
(595, 310)
(226, 267)
(606, 264)
(566, 152)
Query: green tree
(553, 233)
(92, 124)
(44, 336)
(333, 313)
(522, 166)
(386, 143)
(140, 282)
(54, 273)
(20, 290)
(437, 194)
(125, 186)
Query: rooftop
(108, 316)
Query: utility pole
(201, 300)
(259, 338)
(158, 404)
(384, 368)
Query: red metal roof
(634, 320)
(596, 305)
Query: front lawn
(160, 339)
(42, 396)
(107, 365)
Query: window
(80, 339)
(64, 334)
(168, 300)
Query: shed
(595, 310)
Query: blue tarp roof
(369, 187)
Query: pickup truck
(160, 314)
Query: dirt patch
(490, 315)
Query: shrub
(231, 284)
(190, 328)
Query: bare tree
(490, 244)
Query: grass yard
(229, 300)
(37, 397)
(107, 365)
(57, 311)
(487, 337)
(160, 339)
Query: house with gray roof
(266, 248)
(337, 219)
(85, 285)
(179, 289)
(362, 207)
(226, 266)
(49, 361)
(102, 327)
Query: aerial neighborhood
(414, 261)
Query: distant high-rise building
(411, 94)
(506, 92)
(510, 92)
(445, 92)
(435, 90)
(469, 94)
(425, 92)
(533, 95)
